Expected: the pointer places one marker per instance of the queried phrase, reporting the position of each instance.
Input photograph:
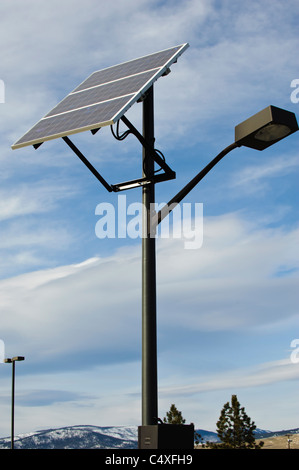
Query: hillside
(281, 442)
(77, 437)
(122, 437)
(85, 437)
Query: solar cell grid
(79, 119)
(101, 99)
(97, 94)
(126, 69)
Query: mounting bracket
(87, 163)
(167, 175)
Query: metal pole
(149, 326)
(12, 405)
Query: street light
(266, 128)
(91, 110)
(13, 361)
(259, 132)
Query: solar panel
(103, 98)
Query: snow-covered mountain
(85, 437)
(261, 434)
(77, 437)
(101, 437)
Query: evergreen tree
(174, 416)
(234, 428)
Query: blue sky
(71, 302)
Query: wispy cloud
(235, 261)
(256, 178)
(213, 79)
(47, 397)
(263, 374)
(34, 199)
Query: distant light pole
(13, 361)
(289, 443)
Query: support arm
(87, 163)
(164, 212)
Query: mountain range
(101, 437)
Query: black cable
(162, 156)
(117, 135)
(125, 134)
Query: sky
(227, 285)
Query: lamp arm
(159, 216)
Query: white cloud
(227, 285)
(34, 199)
(73, 309)
(242, 281)
(260, 375)
(213, 79)
(255, 178)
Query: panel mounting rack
(102, 99)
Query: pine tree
(174, 416)
(234, 428)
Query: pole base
(166, 436)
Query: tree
(174, 416)
(234, 428)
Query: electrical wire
(125, 134)
(162, 156)
(117, 136)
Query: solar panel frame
(131, 67)
(65, 120)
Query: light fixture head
(7, 360)
(265, 128)
(18, 358)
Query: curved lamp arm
(165, 211)
(261, 130)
